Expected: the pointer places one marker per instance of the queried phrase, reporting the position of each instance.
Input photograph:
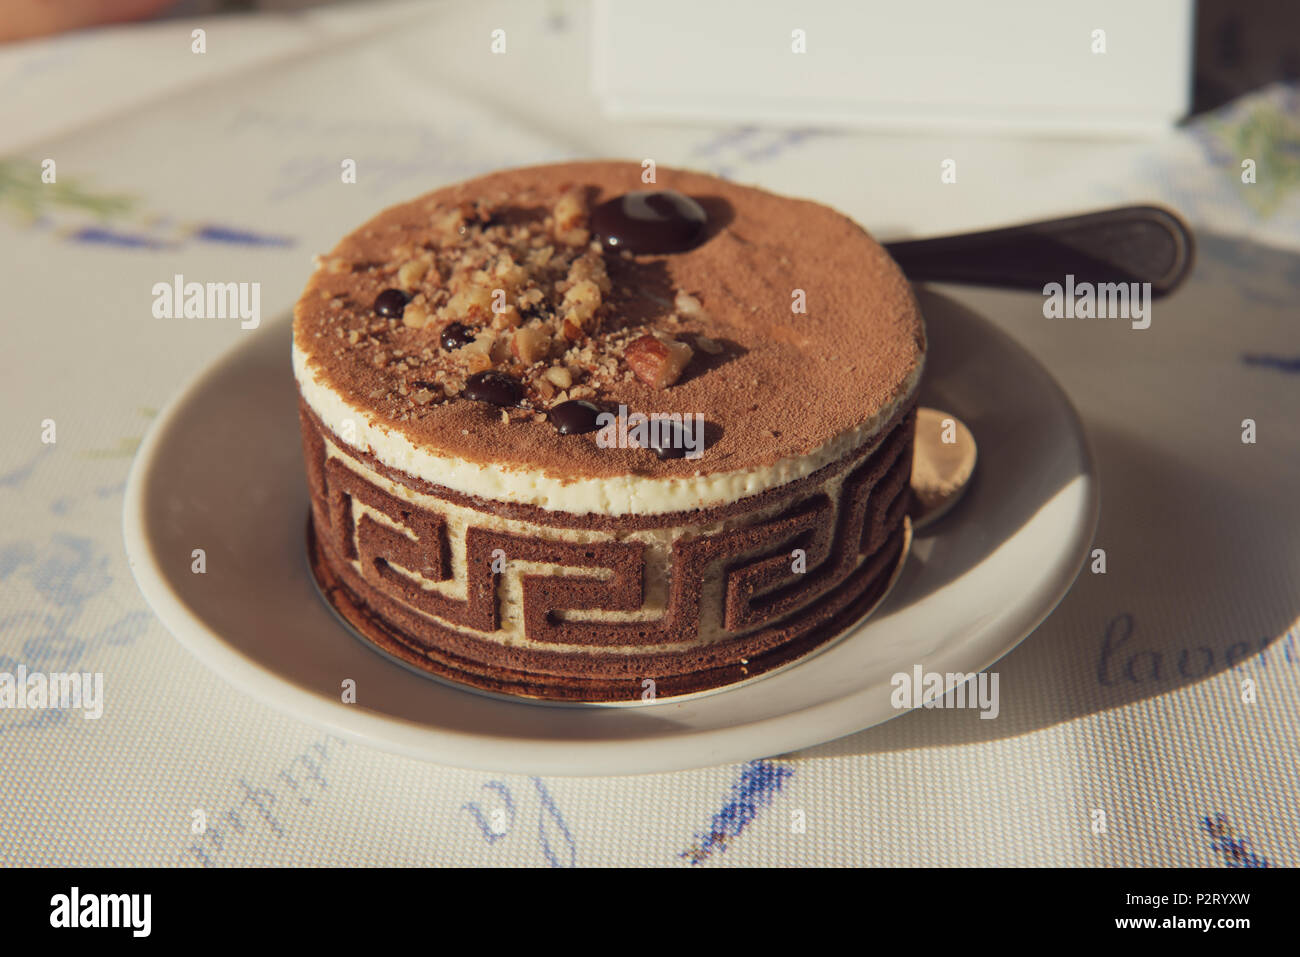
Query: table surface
(1150, 720)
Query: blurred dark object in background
(1242, 46)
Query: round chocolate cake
(570, 435)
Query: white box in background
(1024, 65)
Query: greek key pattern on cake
(392, 539)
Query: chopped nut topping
(530, 344)
(658, 362)
(570, 218)
(449, 225)
(507, 318)
(415, 316)
(412, 272)
(472, 304)
(519, 288)
(580, 304)
(688, 305)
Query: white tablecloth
(1127, 700)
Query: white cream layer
(619, 495)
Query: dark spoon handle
(1128, 244)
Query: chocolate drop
(496, 388)
(391, 303)
(663, 221)
(574, 417)
(676, 441)
(456, 334)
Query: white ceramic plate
(222, 470)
